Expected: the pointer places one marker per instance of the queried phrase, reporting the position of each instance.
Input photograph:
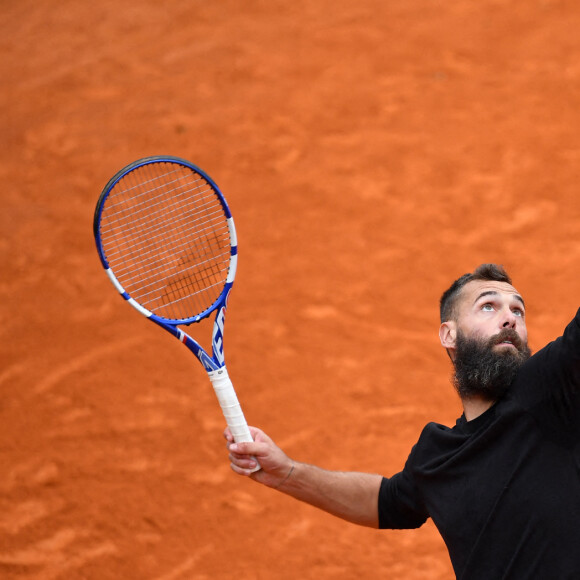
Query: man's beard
(485, 372)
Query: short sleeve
(400, 506)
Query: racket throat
(217, 339)
(208, 364)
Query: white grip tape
(231, 408)
(224, 389)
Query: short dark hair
(448, 303)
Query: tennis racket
(167, 241)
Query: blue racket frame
(216, 360)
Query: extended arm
(351, 496)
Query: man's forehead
(473, 290)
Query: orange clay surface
(371, 152)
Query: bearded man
(502, 485)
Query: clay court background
(371, 152)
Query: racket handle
(231, 408)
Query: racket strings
(175, 212)
(149, 248)
(150, 251)
(166, 238)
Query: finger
(239, 457)
(245, 468)
(243, 448)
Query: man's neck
(475, 406)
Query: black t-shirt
(504, 489)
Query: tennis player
(502, 485)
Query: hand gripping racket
(167, 241)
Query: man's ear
(448, 334)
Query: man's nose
(509, 320)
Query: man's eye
(518, 312)
(487, 307)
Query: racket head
(166, 237)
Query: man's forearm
(351, 496)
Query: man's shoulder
(436, 443)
